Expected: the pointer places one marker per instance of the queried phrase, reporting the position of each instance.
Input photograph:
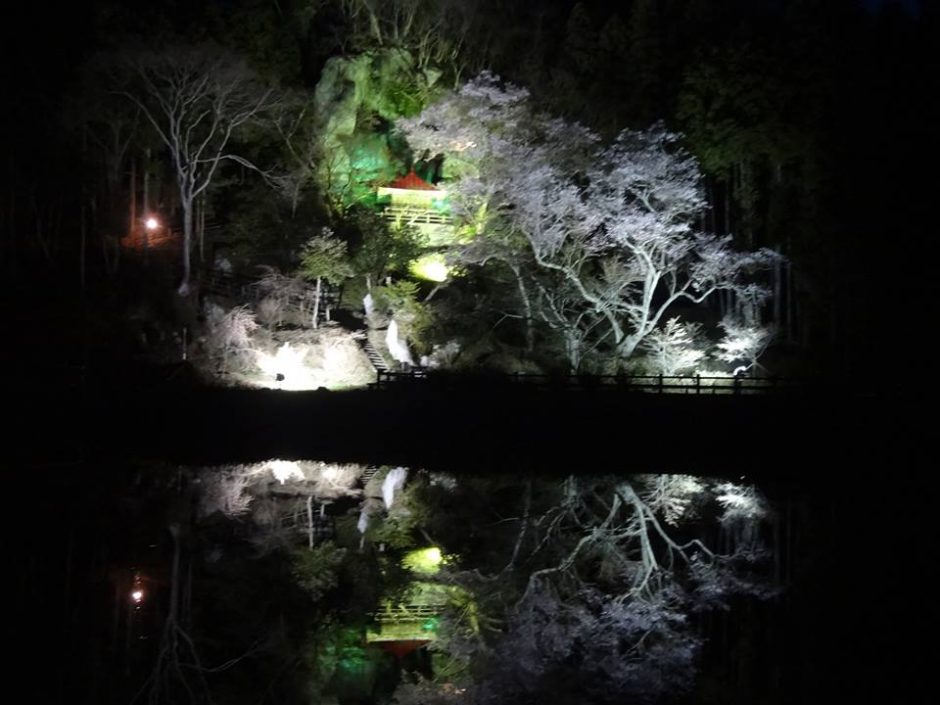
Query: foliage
(324, 257)
(589, 647)
(675, 347)
(587, 587)
(398, 525)
(744, 342)
(225, 491)
(316, 569)
(408, 95)
(267, 230)
(596, 584)
(400, 299)
(383, 250)
(599, 236)
(229, 335)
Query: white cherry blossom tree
(611, 222)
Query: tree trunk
(527, 307)
(791, 321)
(145, 203)
(316, 303)
(310, 522)
(201, 228)
(174, 575)
(628, 346)
(729, 185)
(132, 200)
(83, 236)
(778, 294)
(573, 349)
(747, 205)
(187, 203)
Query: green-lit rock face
(368, 161)
(356, 102)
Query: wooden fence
(655, 384)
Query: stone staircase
(378, 362)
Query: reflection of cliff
(355, 103)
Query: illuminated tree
(675, 347)
(229, 335)
(744, 342)
(382, 249)
(611, 223)
(324, 258)
(197, 99)
(412, 318)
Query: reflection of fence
(656, 384)
(407, 614)
(405, 623)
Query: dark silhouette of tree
(198, 99)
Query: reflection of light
(285, 470)
(285, 369)
(431, 267)
(137, 596)
(152, 223)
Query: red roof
(412, 182)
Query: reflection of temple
(429, 169)
(404, 628)
(412, 623)
(410, 200)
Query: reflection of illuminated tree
(566, 591)
(600, 579)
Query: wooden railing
(656, 384)
(416, 216)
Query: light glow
(430, 267)
(137, 596)
(285, 369)
(284, 470)
(426, 561)
(152, 223)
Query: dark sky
(912, 7)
